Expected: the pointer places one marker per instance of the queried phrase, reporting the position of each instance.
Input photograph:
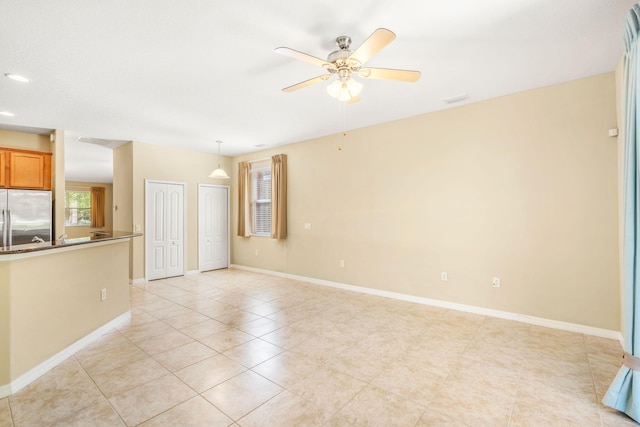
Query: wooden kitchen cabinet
(3, 168)
(25, 169)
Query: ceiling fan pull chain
(342, 110)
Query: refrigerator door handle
(4, 228)
(9, 231)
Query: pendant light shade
(219, 173)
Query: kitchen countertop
(93, 238)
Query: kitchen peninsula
(54, 297)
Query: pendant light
(219, 173)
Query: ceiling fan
(345, 64)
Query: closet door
(164, 208)
(175, 230)
(213, 227)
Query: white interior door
(164, 230)
(213, 227)
(155, 231)
(175, 230)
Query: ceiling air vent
(107, 143)
(454, 99)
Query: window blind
(261, 199)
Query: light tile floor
(237, 348)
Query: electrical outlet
(341, 263)
(103, 294)
(257, 252)
(495, 282)
(443, 276)
(307, 226)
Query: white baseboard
(538, 321)
(144, 280)
(44, 367)
(5, 390)
(260, 270)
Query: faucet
(62, 238)
(37, 239)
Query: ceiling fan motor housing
(340, 58)
(343, 42)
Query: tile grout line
(321, 322)
(520, 376)
(169, 372)
(10, 410)
(217, 353)
(262, 404)
(99, 389)
(593, 380)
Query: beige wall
(123, 188)
(522, 187)
(52, 304)
(25, 141)
(163, 163)
(123, 193)
(5, 342)
(82, 231)
(58, 190)
(619, 76)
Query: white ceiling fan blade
(306, 83)
(389, 74)
(300, 56)
(372, 45)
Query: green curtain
(624, 391)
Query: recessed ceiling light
(17, 77)
(260, 145)
(6, 113)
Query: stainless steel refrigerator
(25, 217)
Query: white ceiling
(188, 73)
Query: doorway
(213, 227)
(164, 219)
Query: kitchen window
(261, 200)
(77, 208)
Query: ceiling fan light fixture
(219, 173)
(344, 94)
(344, 89)
(334, 88)
(354, 87)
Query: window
(261, 200)
(77, 208)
